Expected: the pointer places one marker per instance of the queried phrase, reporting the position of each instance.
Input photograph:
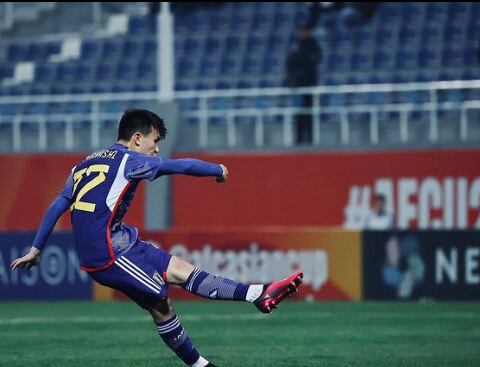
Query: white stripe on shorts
(156, 290)
(127, 263)
(134, 266)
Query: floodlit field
(231, 334)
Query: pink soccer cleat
(275, 292)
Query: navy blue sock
(175, 336)
(207, 285)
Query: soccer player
(98, 192)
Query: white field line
(234, 317)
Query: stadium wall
(424, 189)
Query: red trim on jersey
(109, 238)
(92, 270)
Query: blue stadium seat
(281, 20)
(58, 88)
(78, 89)
(138, 24)
(224, 84)
(451, 57)
(35, 51)
(471, 56)
(110, 49)
(131, 49)
(337, 61)
(7, 109)
(209, 66)
(90, 49)
(272, 65)
(17, 52)
(245, 84)
(251, 65)
(185, 67)
(38, 90)
(99, 88)
(43, 72)
(426, 58)
(240, 20)
(363, 37)
(212, 46)
(405, 58)
(149, 49)
(261, 21)
(218, 22)
(125, 70)
(255, 44)
(104, 71)
(268, 83)
(192, 46)
(381, 60)
(203, 85)
(229, 65)
(431, 35)
(435, 11)
(146, 70)
(360, 61)
(83, 72)
(233, 44)
(64, 72)
(384, 36)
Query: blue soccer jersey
(99, 191)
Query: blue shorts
(140, 273)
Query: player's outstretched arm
(193, 167)
(53, 213)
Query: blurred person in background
(301, 71)
(379, 218)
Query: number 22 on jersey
(101, 169)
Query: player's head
(141, 130)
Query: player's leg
(174, 335)
(265, 296)
(137, 274)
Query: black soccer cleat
(276, 292)
(210, 365)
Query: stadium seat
(90, 49)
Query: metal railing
(260, 108)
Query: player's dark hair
(143, 121)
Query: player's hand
(29, 260)
(224, 177)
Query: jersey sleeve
(140, 167)
(190, 166)
(67, 191)
(53, 213)
(144, 167)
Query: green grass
(232, 334)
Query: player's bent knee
(178, 270)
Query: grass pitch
(235, 334)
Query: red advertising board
(424, 189)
